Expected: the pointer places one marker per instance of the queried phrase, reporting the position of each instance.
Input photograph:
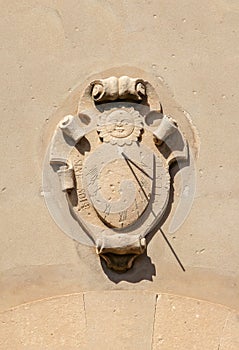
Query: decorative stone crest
(112, 169)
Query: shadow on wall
(143, 269)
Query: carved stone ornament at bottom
(108, 176)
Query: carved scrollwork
(122, 88)
(114, 170)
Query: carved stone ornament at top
(112, 169)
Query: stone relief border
(105, 100)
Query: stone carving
(113, 88)
(112, 170)
(121, 127)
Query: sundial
(107, 178)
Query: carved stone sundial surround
(108, 180)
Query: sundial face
(119, 179)
(117, 188)
(114, 178)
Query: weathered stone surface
(230, 334)
(183, 323)
(119, 320)
(106, 320)
(57, 323)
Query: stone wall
(49, 49)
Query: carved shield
(114, 175)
